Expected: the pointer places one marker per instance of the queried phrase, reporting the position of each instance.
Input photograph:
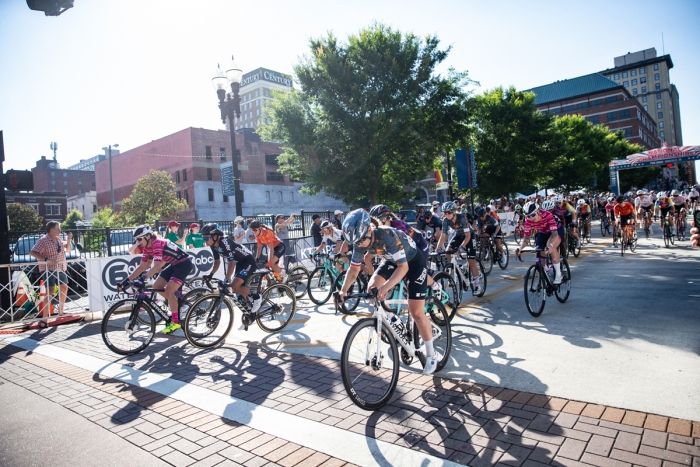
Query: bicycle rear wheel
(487, 258)
(633, 241)
(127, 330)
(320, 286)
(442, 333)
(535, 291)
(208, 321)
(517, 235)
(574, 246)
(563, 290)
(279, 304)
(189, 298)
(369, 365)
(298, 280)
(504, 257)
(350, 304)
(483, 281)
(451, 294)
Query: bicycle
(369, 362)
(668, 233)
(206, 314)
(572, 245)
(519, 232)
(456, 279)
(539, 283)
(129, 325)
(628, 238)
(297, 276)
(584, 229)
(680, 225)
(323, 279)
(604, 225)
(646, 225)
(489, 254)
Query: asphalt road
(628, 337)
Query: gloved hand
(139, 283)
(207, 277)
(440, 250)
(123, 284)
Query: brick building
(49, 176)
(51, 205)
(601, 101)
(193, 157)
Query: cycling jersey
(488, 220)
(548, 223)
(624, 209)
(644, 201)
(693, 194)
(394, 245)
(664, 203)
(583, 209)
(164, 250)
(333, 238)
(433, 223)
(458, 224)
(267, 237)
(566, 211)
(231, 250)
(679, 201)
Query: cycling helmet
(640, 192)
(356, 225)
(211, 229)
(337, 211)
(581, 202)
(675, 193)
(142, 230)
(255, 225)
(558, 199)
(548, 205)
(660, 195)
(620, 199)
(449, 206)
(611, 199)
(531, 208)
(518, 207)
(238, 219)
(380, 210)
(481, 212)
(326, 224)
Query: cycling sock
(175, 318)
(429, 349)
(557, 269)
(436, 286)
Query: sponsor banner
(507, 224)
(103, 275)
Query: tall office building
(256, 92)
(647, 79)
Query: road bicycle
(519, 232)
(680, 225)
(210, 318)
(628, 238)
(539, 282)
(604, 226)
(489, 254)
(646, 225)
(323, 279)
(129, 325)
(456, 279)
(369, 362)
(669, 238)
(584, 230)
(572, 243)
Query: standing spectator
(420, 218)
(250, 239)
(239, 231)
(316, 230)
(282, 229)
(194, 239)
(173, 235)
(338, 219)
(50, 252)
(436, 209)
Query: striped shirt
(546, 224)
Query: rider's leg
(239, 288)
(169, 295)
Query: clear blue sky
(130, 71)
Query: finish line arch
(662, 156)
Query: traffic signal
(50, 7)
(19, 180)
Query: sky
(132, 71)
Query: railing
(86, 243)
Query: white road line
(343, 444)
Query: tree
(106, 218)
(620, 148)
(371, 115)
(153, 198)
(72, 217)
(513, 142)
(23, 218)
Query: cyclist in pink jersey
(549, 234)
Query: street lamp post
(111, 185)
(230, 106)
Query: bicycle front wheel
(603, 230)
(349, 305)
(208, 321)
(189, 298)
(450, 293)
(442, 333)
(504, 257)
(535, 291)
(279, 304)
(127, 327)
(320, 286)
(298, 280)
(369, 364)
(564, 289)
(517, 235)
(487, 259)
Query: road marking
(343, 444)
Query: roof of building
(568, 88)
(664, 58)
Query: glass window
(656, 66)
(660, 115)
(187, 196)
(657, 86)
(53, 174)
(634, 82)
(643, 79)
(644, 89)
(612, 116)
(642, 71)
(207, 150)
(184, 175)
(65, 183)
(634, 91)
(624, 75)
(179, 196)
(626, 83)
(659, 105)
(94, 208)
(633, 73)
(596, 102)
(256, 95)
(210, 174)
(177, 177)
(65, 174)
(662, 134)
(656, 76)
(658, 95)
(645, 98)
(617, 76)
(661, 124)
(624, 114)
(211, 194)
(53, 182)
(222, 154)
(646, 107)
(225, 199)
(594, 119)
(611, 100)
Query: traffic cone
(44, 310)
(21, 296)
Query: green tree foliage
(106, 218)
(512, 141)
(72, 217)
(23, 218)
(371, 115)
(153, 198)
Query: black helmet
(481, 212)
(211, 229)
(620, 199)
(379, 210)
(255, 225)
(531, 208)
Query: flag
(438, 176)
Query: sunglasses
(256, 230)
(206, 238)
(449, 212)
(138, 239)
(58, 249)
(534, 214)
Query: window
(661, 124)
(179, 196)
(658, 105)
(274, 177)
(267, 196)
(65, 192)
(35, 207)
(65, 183)
(660, 115)
(184, 175)
(187, 196)
(656, 76)
(594, 119)
(271, 159)
(616, 77)
(634, 91)
(582, 105)
(612, 116)
(643, 79)
(211, 194)
(624, 74)
(256, 93)
(645, 98)
(628, 132)
(80, 183)
(208, 151)
(65, 174)
(626, 83)
(596, 102)
(662, 134)
(658, 95)
(53, 182)
(646, 107)
(210, 174)
(222, 154)
(642, 71)
(644, 89)
(177, 177)
(94, 208)
(80, 192)
(53, 209)
(633, 73)
(225, 199)
(624, 114)
(53, 174)
(634, 82)
(555, 110)
(657, 86)
(611, 100)
(656, 66)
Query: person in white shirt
(239, 231)
(332, 237)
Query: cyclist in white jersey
(693, 198)
(644, 202)
(679, 203)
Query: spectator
(50, 252)
(172, 234)
(316, 230)
(282, 229)
(420, 218)
(250, 239)
(194, 239)
(338, 219)
(239, 231)
(435, 210)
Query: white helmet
(530, 208)
(660, 195)
(142, 230)
(640, 192)
(337, 211)
(581, 202)
(558, 199)
(548, 205)
(675, 193)
(611, 199)
(239, 219)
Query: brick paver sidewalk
(463, 422)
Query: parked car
(410, 214)
(77, 282)
(121, 241)
(21, 250)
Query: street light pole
(111, 185)
(230, 106)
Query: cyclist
(333, 237)
(583, 211)
(265, 236)
(164, 253)
(492, 212)
(567, 212)
(679, 204)
(239, 258)
(433, 222)
(402, 259)
(624, 213)
(487, 225)
(388, 218)
(645, 203)
(550, 233)
(463, 239)
(549, 205)
(693, 198)
(665, 205)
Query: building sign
(267, 75)
(227, 187)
